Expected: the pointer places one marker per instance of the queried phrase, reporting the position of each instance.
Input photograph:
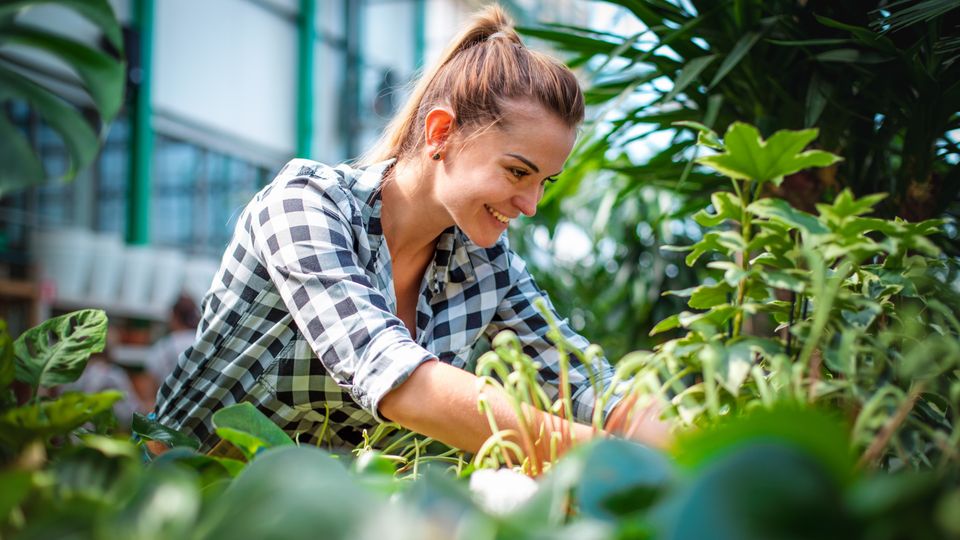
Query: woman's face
(498, 174)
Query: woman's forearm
(440, 401)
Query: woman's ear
(438, 126)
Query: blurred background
(122, 173)
(216, 96)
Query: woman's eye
(519, 173)
(548, 180)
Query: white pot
(107, 267)
(64, 257)
(170, 267)
(138, 272)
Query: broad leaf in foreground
(749, 157)
(248, 429)
(56, 351)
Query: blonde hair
(481, 69)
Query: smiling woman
(349, 295)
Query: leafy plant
(100, 73)
(53, 353)
(777, 472)
(882, 82)
(882, 88)
(864, 320)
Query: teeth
(500, 217)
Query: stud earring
(436, 157)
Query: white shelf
(113, 309)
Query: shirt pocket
(300, 381)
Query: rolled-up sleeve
(518, 312)
(303, 233)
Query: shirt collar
(452, 263)
(366, 188)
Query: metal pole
(307, 42)
(141, 147)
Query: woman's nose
(526, 201)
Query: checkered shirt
(300, 318)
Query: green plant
(101, 75)
(880, 79)
(48, 355)
(882, 82)
(786, 471)
(865, 322)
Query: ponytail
(482, 67)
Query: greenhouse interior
(532, 269)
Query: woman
(356, 295)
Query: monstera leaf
(56, 351)
(98, 72)
(749, 157)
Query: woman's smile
(497, 215)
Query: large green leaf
(80, 139)
(292, 492)
(153, 430)
(620, 478)
(102, 75)
(749, 157)
(57, 417)
(166, 504)
(761, 489)
(248, 429)
(19, 166)
(56, 351)
(818, 433)
(97, 12)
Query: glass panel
(112, 178)
(177, 170)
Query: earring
(436, 157)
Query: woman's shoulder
(300, 173)
(301, 180)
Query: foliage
(881, 80)
(101, 75)
(778, 472)
(55, 352)
(865, 321)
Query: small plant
(51, 354)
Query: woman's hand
(640, 423)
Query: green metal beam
(307, 35)
(141, 147)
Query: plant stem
(890, 427)
(745, 227)
(821, 313)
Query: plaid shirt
(300, 318)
